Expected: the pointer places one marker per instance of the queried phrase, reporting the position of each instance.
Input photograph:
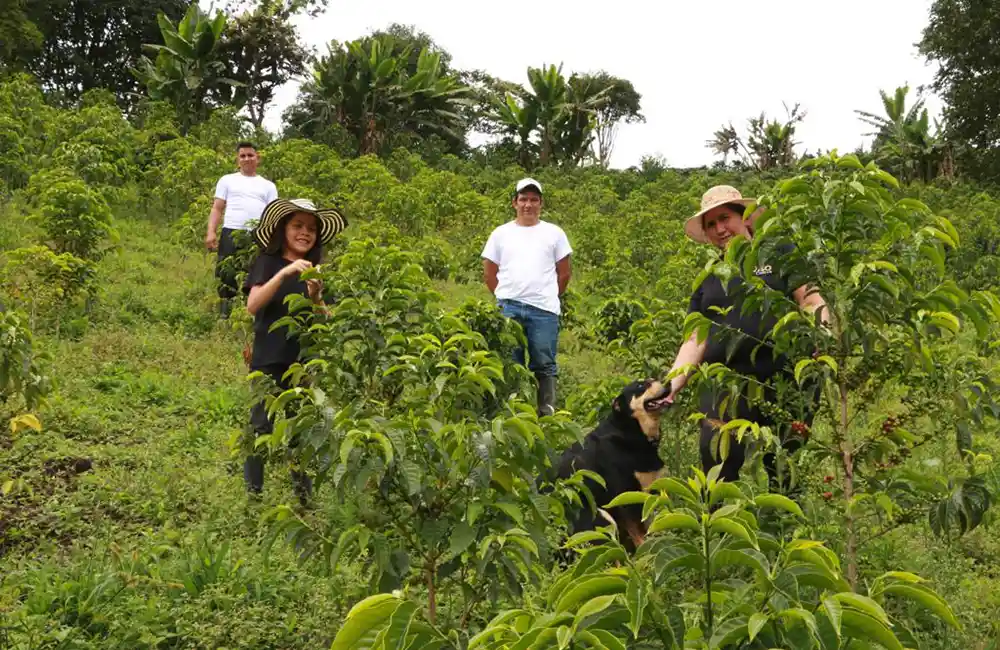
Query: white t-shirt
(527, 257)
(245, 198)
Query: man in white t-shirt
(239, 200)
(526, 266)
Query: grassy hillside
(125, 523)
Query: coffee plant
(46, 283)
(616, 316)
(879, 263)
(22, 376)
(24, 384)
(756, 590)
(412, 415)
(76, 219)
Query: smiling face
(301, 231)
(722, 223)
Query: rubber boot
(546, 396)
(225, 308)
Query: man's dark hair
(277, 243)
(246, 145)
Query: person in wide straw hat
(291, 234)
(722, 218)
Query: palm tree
(554, 120)
(903, 142)
(725, 142)
(770, 144)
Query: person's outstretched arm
(810, 300)
(691, 352)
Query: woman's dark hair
(737, 207)
(275, 246)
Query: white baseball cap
(527, 182)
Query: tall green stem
(708, 578)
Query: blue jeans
(541, 328)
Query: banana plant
(187, 68)
(903, 141)
(555, 119)
(520, 119)
(374, 88)
(550, 97)
(434, 99)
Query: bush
(436, 257)
(44, 282)
(182, 171)
(615, 318)
(14, 168)
(431, 437)
(22, 376)
(76, 219)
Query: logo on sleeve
(763, 270)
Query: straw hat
(713, 198)
(331, 221)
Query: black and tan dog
(623, 451)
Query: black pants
(225, 269)
(260, 424)
(790, 441)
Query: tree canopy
(261, 51)
(963, 38)
(86, 44)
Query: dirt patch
(67, 467)
(22, 519)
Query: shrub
(22, 375)
(409, 414)
(76, 219)
(754, 590)
(45, 282)
(615, 318)
(436, 257)
(182, 171)
(14, 168)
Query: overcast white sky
(697, 63)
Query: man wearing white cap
(526, 266)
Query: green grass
(149, 395)
(156, 546)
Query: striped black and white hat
(331, 221)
